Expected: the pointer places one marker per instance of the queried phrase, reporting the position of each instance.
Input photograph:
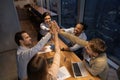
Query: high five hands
(54, 28)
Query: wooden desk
(70, 56)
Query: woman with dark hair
(44, 26)
(37, 68)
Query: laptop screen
(79, 69)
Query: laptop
(79, 70)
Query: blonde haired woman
(37, 68)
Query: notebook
(63, 73)
(78, 69)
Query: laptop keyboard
(76, 69)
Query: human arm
(53, 25)
(77, 46)
(25, 54)
(29, 53)
(69, 30)
(73, 48)
(74, 39)
(53, 70)
(43, 27)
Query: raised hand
(57, 27)
(53, 27)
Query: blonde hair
(97, 45)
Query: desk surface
(66, 58)
(41, 10)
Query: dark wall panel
(103, 20)
(9, 25)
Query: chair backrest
(112, 74)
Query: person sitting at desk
(25, 52)
(37, 68)
(79, 32)
(45, 25)
(95, 48)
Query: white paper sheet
(47, 49)
(63, 73)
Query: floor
(8, 67)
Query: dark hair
(37, 68)
(18, 36)
(84, 25)
(97, 45)
(45, 14)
